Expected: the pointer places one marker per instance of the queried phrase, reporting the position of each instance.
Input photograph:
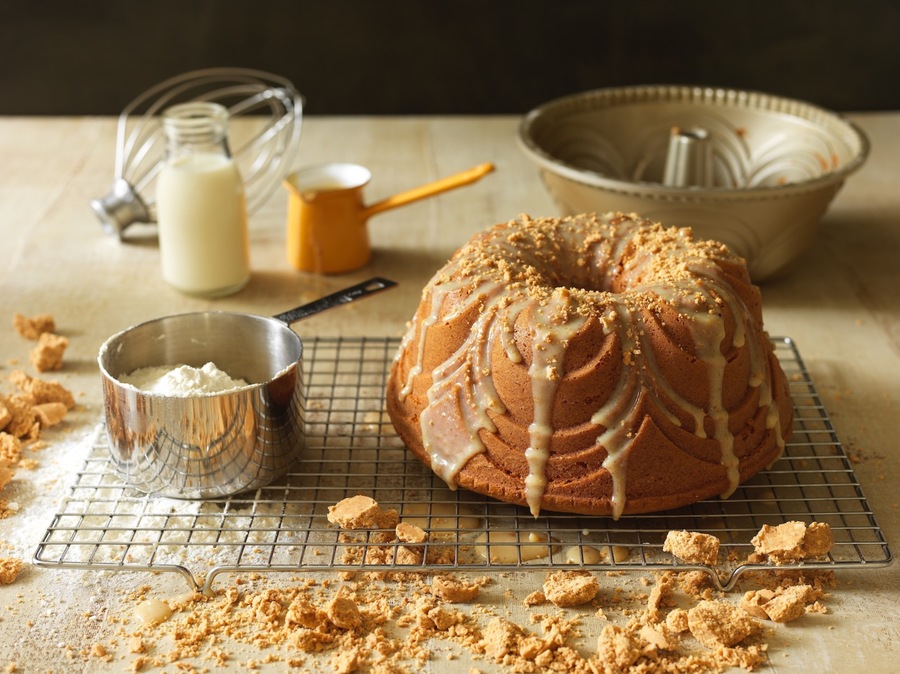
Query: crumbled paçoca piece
(5, 414)
(692, 547)
(413, 553)
(7, 472)
(793, 541)
(32, 327)
(23, 423)
(410, 533)
(10, 448)
(696, 584)
(302, 612)
(501, 638)
(818, 540)
(618, 648)
(661, 596)
(42, 391)
(37, 406)
(454, 589)
(677, 620)
(718, 623)
(370, 623)
(536, 598)
(361, 512)
(10, 568)
(50, 414)
(343, 612)
(570, 588)
(781, 605)
(49, 352)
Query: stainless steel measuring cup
(211, 445)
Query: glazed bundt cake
(592, 364)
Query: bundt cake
(598, 365)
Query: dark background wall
(462, 56)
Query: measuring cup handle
(450, 182)
(351, 294)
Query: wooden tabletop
(840, 304)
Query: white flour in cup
(182, 380)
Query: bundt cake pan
(749, 169)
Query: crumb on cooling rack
(570, 588)
(410, 533)
(361, 512)
(793, 541)
(692, 547)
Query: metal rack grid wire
(351, 449)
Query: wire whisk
(263, 154)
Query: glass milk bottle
(200, 204)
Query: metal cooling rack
(352, 449)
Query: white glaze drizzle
(461, 391)
(554, 325)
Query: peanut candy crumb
(570, 588)
(717, 623)
(32, 327)
(49, 352)
(10, 568)
(793, 541)
(361, 512)
(454, 589)
(692, 547)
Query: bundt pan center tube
(599, 365)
